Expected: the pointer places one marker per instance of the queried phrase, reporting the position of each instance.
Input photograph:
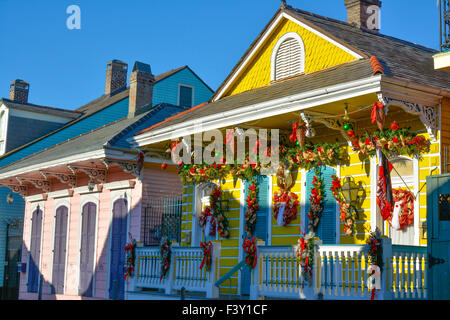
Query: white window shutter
(289, 59)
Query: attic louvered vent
(288, 58)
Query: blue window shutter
(327, 225)
(118, 254)
(185, 96)
(35, 252)
(59, 251)
(88, 227)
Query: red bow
(250, 248)
(206, 247)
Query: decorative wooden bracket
(22, 190)
(332, 123)
(93, 173)
(42, 184)
(427, 114)
(69, 179)
(127, 166)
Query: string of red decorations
(166, 252)
(206, 248)
(316, 201)
(348, 213)
(249, 247)
(252, 208)
(130, 250)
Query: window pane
(185, 96)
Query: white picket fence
(340, 273)
(184, 270)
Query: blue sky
(66, 68)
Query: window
(186, 95)
(288, 57)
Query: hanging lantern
(9, 198)
(310, 133)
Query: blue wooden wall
(166, 90)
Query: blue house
(26, 129)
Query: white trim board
(262, 110)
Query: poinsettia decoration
(206, 248)
(304, 254)
(166, 252)
(130, 249)
(252, 208)
(249, 247)
(393, 142)
(316, 201)
(348, 213)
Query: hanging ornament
(378, 115)
(348, 127)
(164, 166)
(301, 134)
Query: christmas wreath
(130, 249)
(215, 215)
(249, 247)
(316, 201)
(166, 252)
(206, 248)
(348, 213)
(285, 203)
(203, 221)
(405, 213)
(252, 208)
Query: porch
(340, 273)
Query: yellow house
(317, 79)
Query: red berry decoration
(164, 166)
(395, 126)
(351, 133)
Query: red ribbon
(206, 247)
(375, 107)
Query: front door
(438, 233)
(261, 227)
(13, 256)
(118, 243)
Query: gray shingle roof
(40, 109)
(113, 134)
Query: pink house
(85, 197)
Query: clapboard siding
(166, 90)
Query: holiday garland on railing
(130, 249)
(252, 208)
(348, 213)
(206, 248)
(166, 252)
(375, 253)
(249, 247)
(304, 254)
(316, 201)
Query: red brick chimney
(364, 13)
(116, 77)
(18, 91)
(141, 88)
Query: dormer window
(288, 57)
(185, 96)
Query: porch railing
(184, 270)
(340, 272)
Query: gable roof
(400, 59)
(114, 134)
(169, 73)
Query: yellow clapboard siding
(228, 262)
(319, 54)
(284, 241)
(353, 170)
(288, 230)
(224, 252)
